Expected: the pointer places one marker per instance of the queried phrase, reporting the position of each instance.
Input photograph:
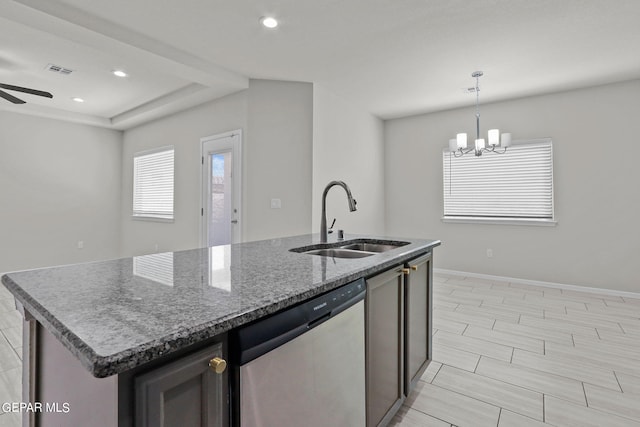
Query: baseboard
(585, 289)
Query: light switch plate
(276, 204)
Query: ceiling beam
(171, 103)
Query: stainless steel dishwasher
(305, 365)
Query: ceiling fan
(15, 100)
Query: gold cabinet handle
(218, 365)
(414, 267)
(406, 271)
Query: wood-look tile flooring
(504, 355)
(511, 355)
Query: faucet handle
(330, 230)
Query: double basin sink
(358, 248)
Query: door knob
(218, 365)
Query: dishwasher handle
(319, 320)
(249, 353)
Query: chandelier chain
(478, 74)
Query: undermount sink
(339, 253)
(370, 247)
(358, 248)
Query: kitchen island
(117, 319)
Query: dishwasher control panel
(331, 302)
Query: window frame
(141, 214)
(504, 220)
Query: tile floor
(10, 357)
(504, 355)
(511, 355)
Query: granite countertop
(118, 314)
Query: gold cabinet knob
(218, 365)
(406, 271)
(414, 267)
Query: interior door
(221, 197)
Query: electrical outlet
(489, 253)
(80, 244)
(276, 204)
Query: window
(516, 186)
(153, 184)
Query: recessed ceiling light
(78, 99)
(119, 73)
(269, 22)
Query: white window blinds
(153, 184)
(516, 184)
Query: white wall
(595, 134)
(278, 159)
(348, 145)
(183, 131)
(276, 120)
(59, 184)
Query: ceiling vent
(58, 69)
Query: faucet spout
(323, 220)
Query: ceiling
(393, 58)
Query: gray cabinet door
(418, 307)
(183, 393)
(384, 346)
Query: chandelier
(458, 146)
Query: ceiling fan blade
(26, 90)
(10, 98)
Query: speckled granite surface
(119, 314)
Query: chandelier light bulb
(461, 140)
(505, 140)
(494, 136)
